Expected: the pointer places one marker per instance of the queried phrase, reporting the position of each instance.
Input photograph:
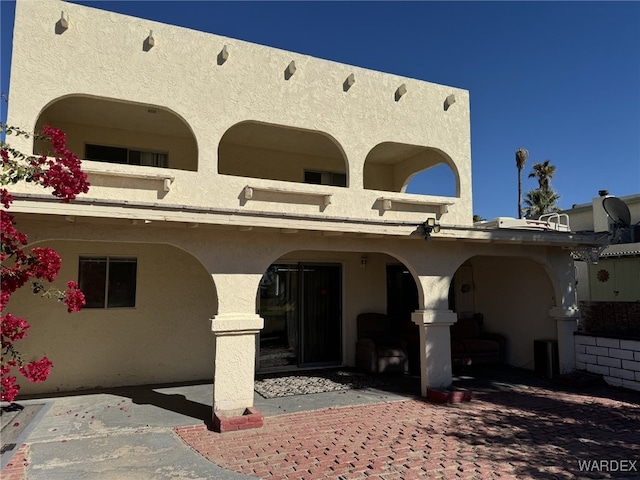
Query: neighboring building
(247, 203)
(616, 276)
(608, 340)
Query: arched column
(434, 320)
(235, 328)
(567, 323)
(566, 312)
(435, 347)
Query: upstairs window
(102, 153)
(325, 178)
(108, 282)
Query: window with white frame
(103, 153)
(108, 282)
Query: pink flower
(45, 263)
(74, 298)
(9, 389)
(37, 371)
(63, 174)
(13, 328)
(5, 197)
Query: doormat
(284, 385)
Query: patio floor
(517, 426)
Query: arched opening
(165, 336)
(275, 152)
(396, 167)
(507, 296)
(438, 180)
(311, 300)
(113, 131)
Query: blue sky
(561, 79)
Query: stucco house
(248, 203)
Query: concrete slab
(137, 455)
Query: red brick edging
(16, 469)
(251, 418)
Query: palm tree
(544, 172)
(521, 159)
(539, 202)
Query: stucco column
(235, 328)
(566, 323)
(234, 366)
(435, 347)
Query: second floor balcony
(149, 155)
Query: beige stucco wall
(515, 296)
(270, 164)
(165, 338)
(180, 73)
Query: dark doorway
(402, 301)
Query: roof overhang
(124, 212)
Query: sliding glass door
(302, 308)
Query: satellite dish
(617, 211)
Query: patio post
(566, 323)
(234, 369)
(435, 347)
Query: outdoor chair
(471, 346)
(379, 347)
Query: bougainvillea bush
(21, 266)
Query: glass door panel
(279, 309)
(321, 315)
(302, 312)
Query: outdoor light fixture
(430, 226)
(363, 261)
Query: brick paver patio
(534, 432)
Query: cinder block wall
(617, 360)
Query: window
(325, 178)
(108, 282)
(103, 153)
